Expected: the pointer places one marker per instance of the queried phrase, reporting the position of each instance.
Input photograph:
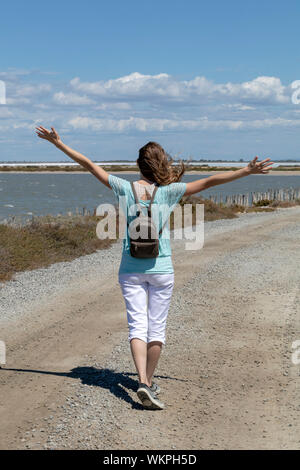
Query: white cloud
(112, 106)
(30, 90)
(133, 85)
(23, 94)
(239, 107)
(71, 99)
(17, 101)
(14, 74)
(138, 103)
(260, 89)
(142, 124)
(137, 86)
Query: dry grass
(260, 209)
(285, 203)
(47, 240)
(116, 168)
(212, 211)
(65, 168)
(286, 168)
(51, 239)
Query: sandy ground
(226, 373)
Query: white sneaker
(148, 398)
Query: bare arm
(253, 167)
(54, 138)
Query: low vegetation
(120, 168)
(64, 169)
(47, 240)
(42, 241)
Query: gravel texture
(28, 289)
(226, 375)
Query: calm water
(41, 194)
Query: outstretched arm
(53, 137)
(254, 167)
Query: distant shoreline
(188, 172)
(190, 169)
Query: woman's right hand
(255, 167)
(51, 136)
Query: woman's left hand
(255, 167)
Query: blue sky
(204, 79)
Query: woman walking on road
(147, 279)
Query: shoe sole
(148, 401)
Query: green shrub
(263, 202)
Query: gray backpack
(147, 243)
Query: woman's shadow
(115, 382)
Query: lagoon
(23, 194)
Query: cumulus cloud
(261, 89)
(138, 103)
(265, 90)
(134, 84)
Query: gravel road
(226, 372)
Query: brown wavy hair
(157, 166)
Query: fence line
(246, 200)
(249, 199)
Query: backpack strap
(150, 204)
(137, 199)
(151, 200)
(149, 210)
(136, 196)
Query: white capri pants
(147, 297)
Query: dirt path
(226, 373)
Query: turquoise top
(165, 200)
